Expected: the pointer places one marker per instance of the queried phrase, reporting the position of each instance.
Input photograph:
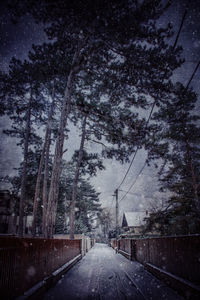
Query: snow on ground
(103, 274)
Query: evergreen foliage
(86, 207)
(101, 59)
(181, 170)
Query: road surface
(104, 275)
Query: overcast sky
(16, 40)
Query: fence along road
(103, 274)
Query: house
(133, 221)
(6, 210)
(8, 218)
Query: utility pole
(117, 214)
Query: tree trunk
(75, 182)
(65, 215)
(194, 181)
(54, 186)
(37, 191)
(45, 182)
(44, 154)
(24, 168)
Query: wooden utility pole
(117, 214)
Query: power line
(134, 182)
(154, 103)
(192, 76)
(128, 168)
(129, 192)
(189, 81)
(180, 28)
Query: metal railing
(27, 261)
(179, 255)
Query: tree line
(105, 64)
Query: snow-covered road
(104, 275)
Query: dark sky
(189, 37)
(16, 40)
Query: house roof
(134, 218)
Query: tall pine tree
(116, 43)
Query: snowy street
(103, 274)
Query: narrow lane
(104, 275)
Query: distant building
(133, 221)
(6, 210)
(8, 218)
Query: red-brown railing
(178, 255)
(26, 261)
(113, 243)
(125, 247)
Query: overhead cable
(154, 103)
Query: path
(104, 275)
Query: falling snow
(103, 274)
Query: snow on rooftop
(135, 218)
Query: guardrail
(113, 243)
(178, 255)
(176, 259)
(86, 242)
(26, 261)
